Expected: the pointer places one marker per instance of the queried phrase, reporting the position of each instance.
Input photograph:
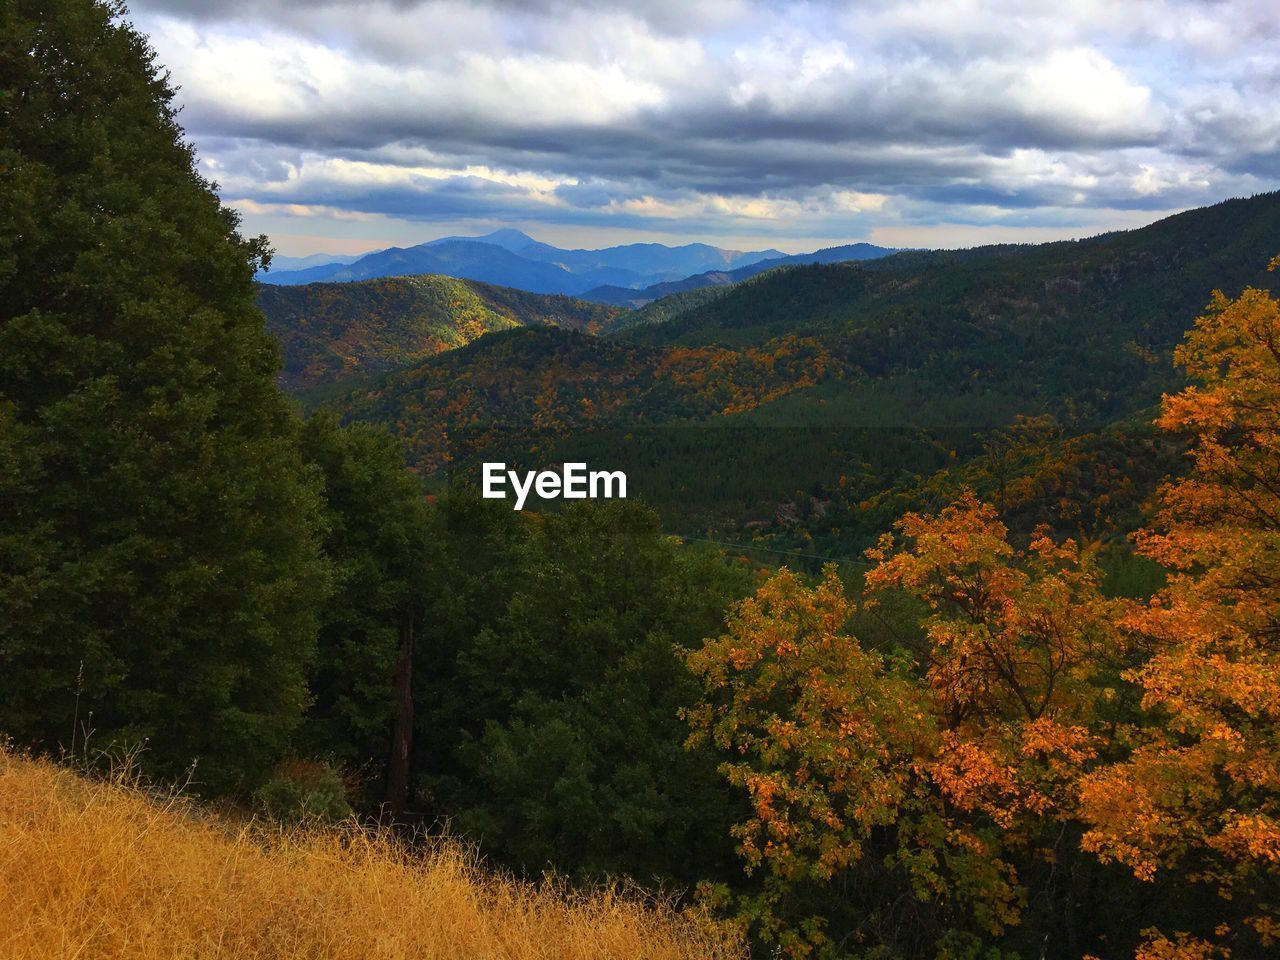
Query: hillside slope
(518, 394)
(102, 870)
(1089, 322)
(330, 332)
(1143, 273)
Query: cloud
(813, 118)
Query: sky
(349, 125)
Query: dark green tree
(482, 546)
(159, 561)
(379, 544)
(569, 748)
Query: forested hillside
(330, 332)
(829, 384)
(1034, 319)
(521, 392)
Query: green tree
(568, 748)
(378, 542)
(159, 563)
(482, 545)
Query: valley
(733, 407)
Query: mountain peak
(508, 237)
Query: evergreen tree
(159, 564)
(378, 541)
(567, 744)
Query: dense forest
(979, 663)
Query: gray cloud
(727, 115)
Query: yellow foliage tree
(960, 758)
(1200, 792)
(1021, 648)
(826, 735)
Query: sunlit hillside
(95, 870)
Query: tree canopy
(161, 568)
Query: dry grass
(92, 869)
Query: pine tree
(159, 561)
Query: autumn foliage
(1200, 790)
(971, 752)
(1031, 720)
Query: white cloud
(1081, 87)
(810, 118)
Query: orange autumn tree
(941, 767)
(1016, 642)
(1200, 794)
(1020, 662)
(1037, 719)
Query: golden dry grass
(92, 869)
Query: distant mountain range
(281, 264)
(630, 275)
(514, 259)
(630, 297)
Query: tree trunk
(402, 739)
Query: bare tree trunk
(402, 739)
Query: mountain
(652, 260)
(836, 382)
(282, 264)
(1135, 291)
(335, 331)
(520, 394)
(464, 259)
(630, 297)
(646, 259)
(507, 238)
(511, 258)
